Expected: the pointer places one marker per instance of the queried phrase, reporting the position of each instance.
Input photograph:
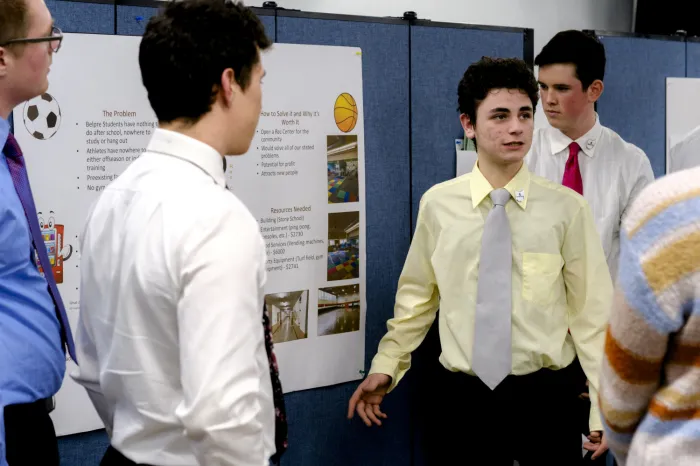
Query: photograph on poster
(682, 124)
(338, 310)
(343, 245)
(289, 312)
(343, 182)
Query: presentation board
(303, 179)
(682, 124)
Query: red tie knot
(574, 148)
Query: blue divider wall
(439, 57)
(82, 17)
(132, 20)
(317, 423)
(692, 57)
(634, 100)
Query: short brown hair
(14, 18)
(186, 48)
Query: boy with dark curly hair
(516, 267)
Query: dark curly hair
(186, 48)
(494, 73)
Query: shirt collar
(518, 187)
(559, 141)
(187, 148)
(4, 132)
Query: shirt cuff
(594, 421)
(384, 365)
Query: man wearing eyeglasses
(34, 331)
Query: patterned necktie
(491, 353)
(281, 442)
(572, 173)
(18, 172)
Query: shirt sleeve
(589, 296)
(417, 301)
(221, 334)
(87, 374)
(644, 176)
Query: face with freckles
(503, 127)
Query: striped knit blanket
(650, 379)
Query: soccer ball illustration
(42, 116)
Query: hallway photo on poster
(289, 312)
(338, 310)
(343, 246)
(343, 181)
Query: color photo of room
(338, 310)
(343, 183)
(288, 313)
(343, 246)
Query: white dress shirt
(170, 340)
(613, 173)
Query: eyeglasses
(55, 40)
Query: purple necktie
(18, 172)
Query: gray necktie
(491, 355)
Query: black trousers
(113, 458)
(528, 418)
(30, 437)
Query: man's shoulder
(630, 152)
(445, 189)
(215, 205)
(663, 195)
(202, 207)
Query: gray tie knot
(500, 196)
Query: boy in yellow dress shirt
(512, 325)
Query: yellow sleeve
(589, 292)
(417, 300)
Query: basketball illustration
(345, 112)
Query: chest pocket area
(541, 277)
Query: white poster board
(303, 179)
(682, 123)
